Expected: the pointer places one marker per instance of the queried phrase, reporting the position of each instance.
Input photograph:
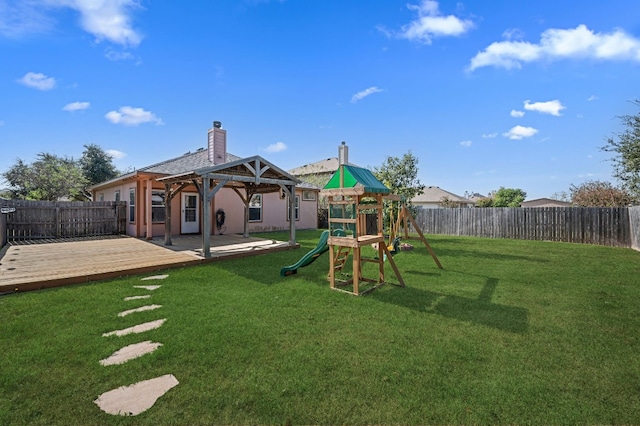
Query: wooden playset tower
(355, 221)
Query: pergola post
(292, 218)
(206, 218)
(148, 210)
(167, 214)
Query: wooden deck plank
(35, 266)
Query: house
(320, 172)
(240, 195)
(433, 197)
(545, 202)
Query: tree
(446, 202)
(49, 178)
(401, 175)
(599, 194)
(97, 166)
(508, 197)
(485, 202)
(626, 163)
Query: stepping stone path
(136, 398)
(140, 309)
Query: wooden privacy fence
(32, 220)
(615, 226)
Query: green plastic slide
(308, 258)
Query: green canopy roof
(359, 179)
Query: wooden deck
(35, 266)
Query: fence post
(634, 225)
(3, 229)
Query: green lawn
(509, 332)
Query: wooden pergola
(246, 177)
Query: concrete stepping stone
(148, 287)
(146, 296)
(155, 277)
(140, 309)
(130, 352)
(136, 398)
(140, 328)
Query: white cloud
(489, 135)
(20, 18)
(117, 55)
(516, 113)
(76, 106)
(575, 43)
(105, 19)
(364, 93)
(115, 154)
(466, 143)
(512, 33)
(130, 116)
(520, 132)
(550, 107)
(430, 23)
(37, 81)
(276, 147)
(592, 98)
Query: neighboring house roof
(359, 179)
(475, 197)
(330, 165)
(434, 195)
(545, 202)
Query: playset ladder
(341, 258)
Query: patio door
(190, 213)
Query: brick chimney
(217, 144)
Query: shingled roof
(184, 163)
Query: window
(296, 209)
(308, 195)
(101, 197)
(117, 195)
(132, 205)
(157, 206)
(255, 208)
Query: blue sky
(486, 94)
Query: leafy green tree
(401, 175)
(508, 197)
(599, 194)
(485, 202)
(96, 165)
(626, 163)
(49, 178)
